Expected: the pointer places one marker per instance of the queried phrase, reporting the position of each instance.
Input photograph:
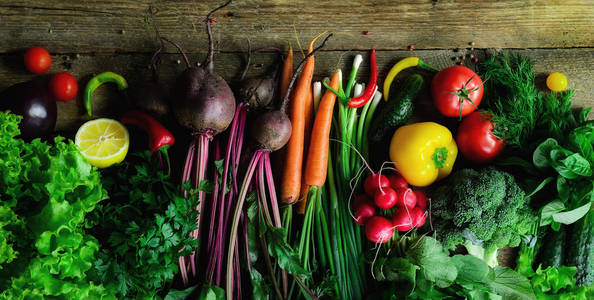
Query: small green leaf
(510, 284)
(542, 154)
(563, 188)
(583, 117)
(540, 186)
(577, 164)
(547, 212)
(174, 294)
(569, 217)
(470, 269)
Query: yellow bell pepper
(423, 152)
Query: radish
(418, 217)
(373, 182)
(406, 198)
(361, 199)
(363, 212)
(203, 103)
(397, 181)
(402, 219)
(421, 199)
(271, 131)
(385, 198)
(379, 229)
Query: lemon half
(103, 142)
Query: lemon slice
(103, 142)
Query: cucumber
(551, 254)
(580, 248)
(398, 110)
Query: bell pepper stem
(425, 65)
(439, 157)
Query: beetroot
(363, 212)
(406, 197)
(385, 198)
(421, 199)
(272, 130)
(203, 103)
(397, 181)
(373, 182)
(402, 219)
(379, 229)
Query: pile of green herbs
(63, 237)
(143, 228)
(548, 142)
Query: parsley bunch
(143, 228)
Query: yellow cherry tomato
(423, 152)
(557, 82)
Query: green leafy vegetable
(484, 210)
(143, 228)
(48, 190)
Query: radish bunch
(385, 195)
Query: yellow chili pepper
(423, 152)
(399, 66)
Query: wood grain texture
(135, 68)
(75, 26)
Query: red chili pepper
(370, 88)
(158, 135)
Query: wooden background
(88, 37)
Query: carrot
(309, 112)
(316, 165)
(291, 181)
(287, 72)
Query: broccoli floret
(483, 210)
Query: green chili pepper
(98, 80)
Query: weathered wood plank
(119, 26)
(135, 68)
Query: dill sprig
(512, 97)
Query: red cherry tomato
(63, 86)
(475, 138)
(454, 88)
(37, 60)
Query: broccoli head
(482, 209)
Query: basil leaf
(569, 217)
(540, 186)
(563, 188)
(510, 284)
(577, 164)
(547, 212)
(542, 154)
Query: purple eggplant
(33, 101)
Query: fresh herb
(47, 191)
(420, 268)
(143, 228)
(512, 97)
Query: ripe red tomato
(37, 60)
(475, 138)
(63, 86)
(454, 88)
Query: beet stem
(212, 244)
(185, 177)
(209, 62)
(181, 51)
(235, 221)
(248, 61)
(285, 101)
